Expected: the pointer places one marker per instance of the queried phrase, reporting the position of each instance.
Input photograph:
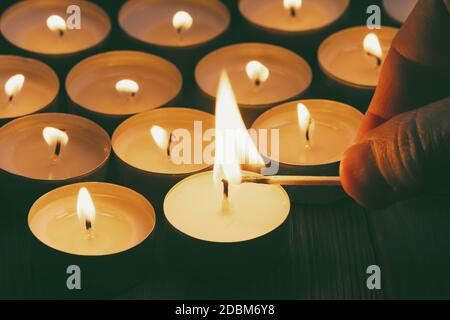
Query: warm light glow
(127, 86)
(372, 45)
(14, 85)
(182, 21)
(54, 136)
(257, 72)
(233, 144)
(160, 136)
(292, 5)
(85, 207)
(56, 24)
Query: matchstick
(294, 180)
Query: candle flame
(127, 86)
(292, 5)
(85, 208)
(53, 136)
(372, 45)
(56, 24)
(257, 72)
(182, 21)
(160, 136)
(14, 85)
(233, 144)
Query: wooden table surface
(331, 247)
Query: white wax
(25, 152)
(334, 131)
(24, 25)
(133, 143)
(313, 15)
(92, 83)
(342, 56)
(399, 10)
(40, 88)
(150, 21)
(290, 74)
(194, 207)
(124, 219)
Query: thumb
(401, 158)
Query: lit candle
(26, 86)
(351, 60)
(46, 150)
(263, 75)
(182, 31)
(146, 149)
(109, 87)
(399, 10)
(221, 218)
(313, 136)
(102, 228)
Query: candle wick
(61, 33)
(133, 94)
(11, 98)
(57, 148)
(293, 12)
(378, 59)
(257, 82)
(226, 188)
(169, 144)
(88, 225)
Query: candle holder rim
(89, 59)
(100, 129)
(295, 32)
(161, 174)
(53, 76)
(285, 105)
(93, 183)
(66, 54)
(175, 47)
(328, 73)
(227, 243)
(259, 105)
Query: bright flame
(372, 45)
(56, 24)
(304, 117)
(52, 136)
(257, 72)
(85, 207)
(160, 136)
(182, 21)
(233, 142)
(14, 85)
(292, 5)
(127, 86)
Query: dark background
(331, 245)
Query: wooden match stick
(294, 180)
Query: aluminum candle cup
(141, 159)
(298, 24)
(248, 237)
(332, 129)
(351, 71)
(180, 30)
(26, 86)
(279, 75)
(112, 255)
(44, 151)
(110, 87)
(399, 10)
(45, 29)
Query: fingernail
(362, 179)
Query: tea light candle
(351, 59)
(263, 75)
(46, 150)
(26, 86)
(142, 142)
(109, 87)
(180, 30)
(399, 10)
(217, 216)
(313, 136)
(41, 26)
(100, 227)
